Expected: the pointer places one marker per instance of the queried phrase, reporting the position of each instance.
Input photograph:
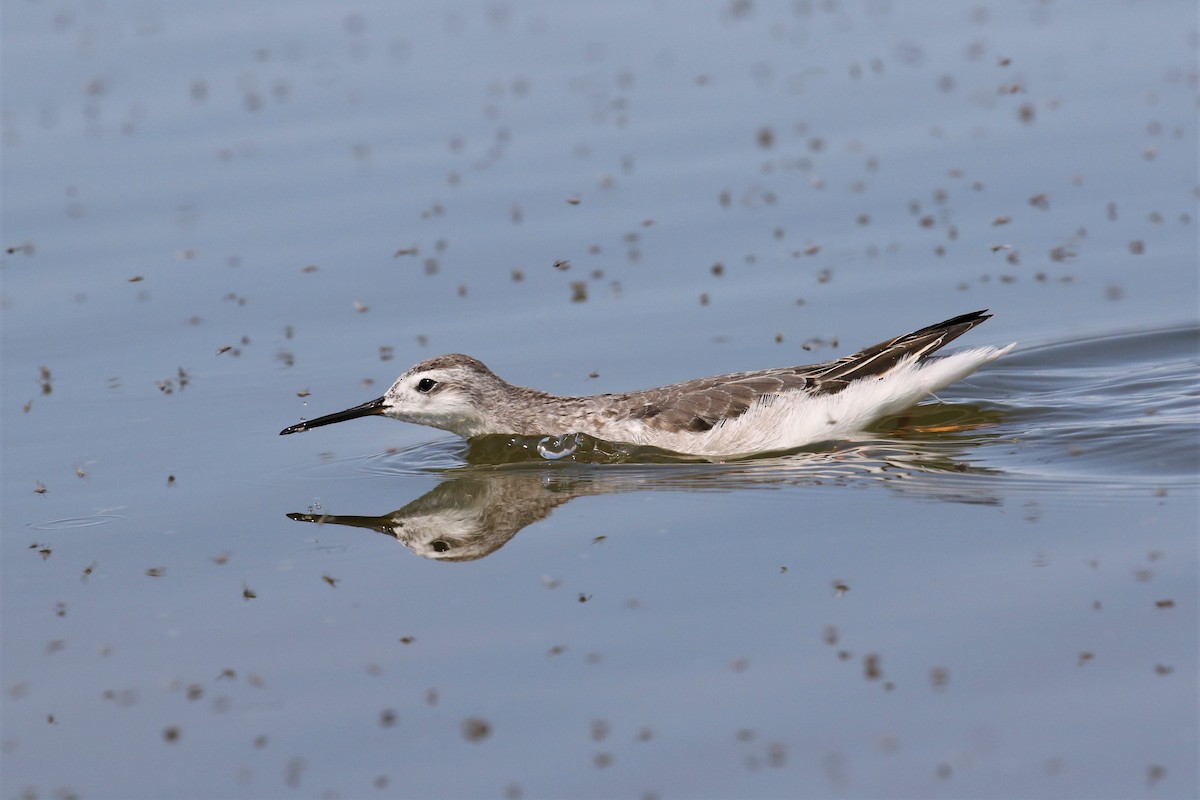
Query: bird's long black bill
(371, 408)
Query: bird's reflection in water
(469, 516)
(476, 509)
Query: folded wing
(704, 403)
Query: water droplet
(553, 448)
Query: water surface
(221, 219)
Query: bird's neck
(530, 412)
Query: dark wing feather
(703, 403)
(880, 358)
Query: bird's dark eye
(425, 385)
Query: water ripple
(70, 523)
(1123, 408)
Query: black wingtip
(954, 327)
(973, 318)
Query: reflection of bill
(475, 511)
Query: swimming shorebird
(726, 415)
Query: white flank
(785, 422)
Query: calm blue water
(225, 218)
